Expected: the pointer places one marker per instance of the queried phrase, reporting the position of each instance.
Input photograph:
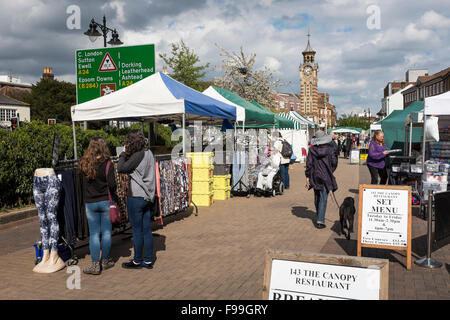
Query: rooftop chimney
(48, 73)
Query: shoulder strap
(107, 185)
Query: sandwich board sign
(105, 70)
(354, 156)
(384, 218)
(290, 275)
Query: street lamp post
(93, 33)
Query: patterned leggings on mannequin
(46, 192)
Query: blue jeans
(97, 214)
(139, 216)
(284, 171)
(320, 201)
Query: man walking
(285, 159)
(348, 146)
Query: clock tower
(308, 83)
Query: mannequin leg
(44, 227)
(44, 261)
(52, 194)
(55, 263)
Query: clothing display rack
(245, 168)
(178, 191)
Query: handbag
(114, 210)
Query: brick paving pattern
(220, 253)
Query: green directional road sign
(105, 70)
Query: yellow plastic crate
(222, 194)
(202, 187)
(202, 200)
(200, 159)
(203, 173)
(222, 182)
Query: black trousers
(374, 172)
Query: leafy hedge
(30, 147)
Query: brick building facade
(286, 102)
(427, 86)
(330, 116)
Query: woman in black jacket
(96, 184)
(319, 173)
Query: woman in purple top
(376, 157)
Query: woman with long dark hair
(376, 158)
(96, 184)
(139, 163)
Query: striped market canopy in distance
(280, 122)
(297, 124)
(303, 119)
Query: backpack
(286, 150)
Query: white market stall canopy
(156, 96)
(438, 105)
(345, 130)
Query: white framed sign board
(354, 156)
(384, 218)
(293, 275)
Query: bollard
(429, 262)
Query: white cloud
(272, 63)
(342, 84)
(412, 33)
(432, 19)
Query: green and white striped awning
(302, 119)
(297, 124)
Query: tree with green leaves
(348, 121)
(183, 63)
(51, 99)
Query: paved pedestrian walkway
(218, 254)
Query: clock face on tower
(307, 71)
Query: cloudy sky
(356, 58)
